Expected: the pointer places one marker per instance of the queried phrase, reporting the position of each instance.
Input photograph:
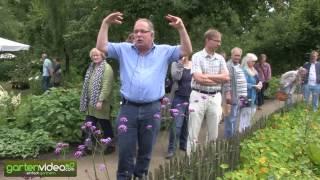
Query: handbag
(244, 102)
(281, 96)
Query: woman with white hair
(253, 84)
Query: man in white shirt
(209, 71)
(311, 83)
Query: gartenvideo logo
(44, 168)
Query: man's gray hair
(150, 24)
(236, 48)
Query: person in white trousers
(208, 71)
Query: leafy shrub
(5, 68)
(56, 111)
(280, 150)
(17, 143)
(273, 87)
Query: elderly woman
(253, 84)
(289, 82)
(97, 92)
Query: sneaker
(169, 155)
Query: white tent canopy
(7, 45)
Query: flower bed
(288, 148)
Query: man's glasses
(140, 31)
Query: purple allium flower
(102, 167)
(98, 132)
(88, 124)
(185, 103)
(178, 105)
(196, 100)
(57, 151)
(78, 154)
(191, 110)
(122, 128)
(93, 128)
(175, 114)
(65, 145)
(106, 141)
(81, 147)
(123, 119)
(149, 126)
(204, 97)
(59, 145)
(174, 110)
(165, 100)
(157, 116)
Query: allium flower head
(81, 147)
(123, 119)
(98, 132)
(122, 128)
(93, 128)
(175, 114)
(165, 100)
(174, 110)
(88, 124)
(57, 151)
(78, 154)
(106, 141)
(157, 116)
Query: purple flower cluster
(60, 147)
(122, 128)
(80, 151)
(157, 116)
(174, 112)
(106, 141)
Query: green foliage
(273, 87)
(56, 111)
(5, 68)
(280, 150)
(17, 143)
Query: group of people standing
(200, 86)
(51, 72)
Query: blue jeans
(179, 127)
(139, 131)
(230, 121)
(314, 90)
(45, 82)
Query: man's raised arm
(102, 40)
(176, 22)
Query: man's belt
(207, 92)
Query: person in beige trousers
(208, 71)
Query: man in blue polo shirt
(143, 67)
